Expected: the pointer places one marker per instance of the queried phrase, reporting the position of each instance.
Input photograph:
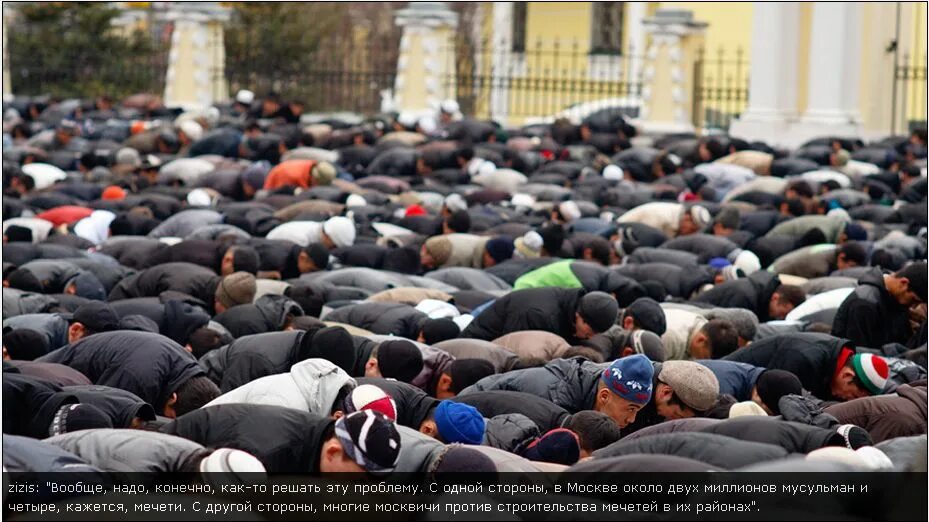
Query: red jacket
(291, 172)
(65, 215)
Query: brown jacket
(534, 344)
(887, 416)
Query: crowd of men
(250, 288)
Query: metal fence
(543, 80)
(340, 73)
(721, 87)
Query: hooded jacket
(568, 383)
(549, 309)
(680, 258)
(311, 385)
(254, 356)
(130, 450)
(381, 318)
(186, 278)
(134, 251)
(812, 357)
(508, 431)
(735, 378)
(30, 404)
(752, 293)
(870, 316)
(887, 416)
(283, 439)
(146, 364)
(545, 414)
(718, 450)
(120, 406)
(267, 314)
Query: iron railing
(721, 87)
(546, 80)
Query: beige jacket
(682, 325)
(530, 344)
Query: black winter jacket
(548, 309)
(283, 439)
(752, 293)
(870, 316)
(812, 357)
(146, 364)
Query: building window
(607, 28)
(519, 26)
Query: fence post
(668, 78)
(426, 64)
(196, 64)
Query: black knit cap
(24, 344)
(774, 384)
(916, 273)
(399, 360)
(332, 343)
(15, 233)
(438, 330)
(319, 254)
(97, 316)
(599, 310)
(465, 372)
(649, 314)
(74, 417)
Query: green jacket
(557, 274)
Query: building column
(834, 59)
(196, 76)
(636, 13)
(500, 47)
(668, 86)
(775, 35)
(426, 65)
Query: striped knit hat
(370, 439)
(370, 397)
(872, 371)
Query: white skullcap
(746, 408)
(192, 129)
(522, 200)
(449, 106)
(340, 230)
(406, 119)
(427, 124)
(463, 321)
(355, 200)
(700, 215)
(487, 168)
(455, 202)
(613, 172)
(245, 97)
(570, 211)
(747, 262)
(436, 309)
(199, 198)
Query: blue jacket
(735, 378)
